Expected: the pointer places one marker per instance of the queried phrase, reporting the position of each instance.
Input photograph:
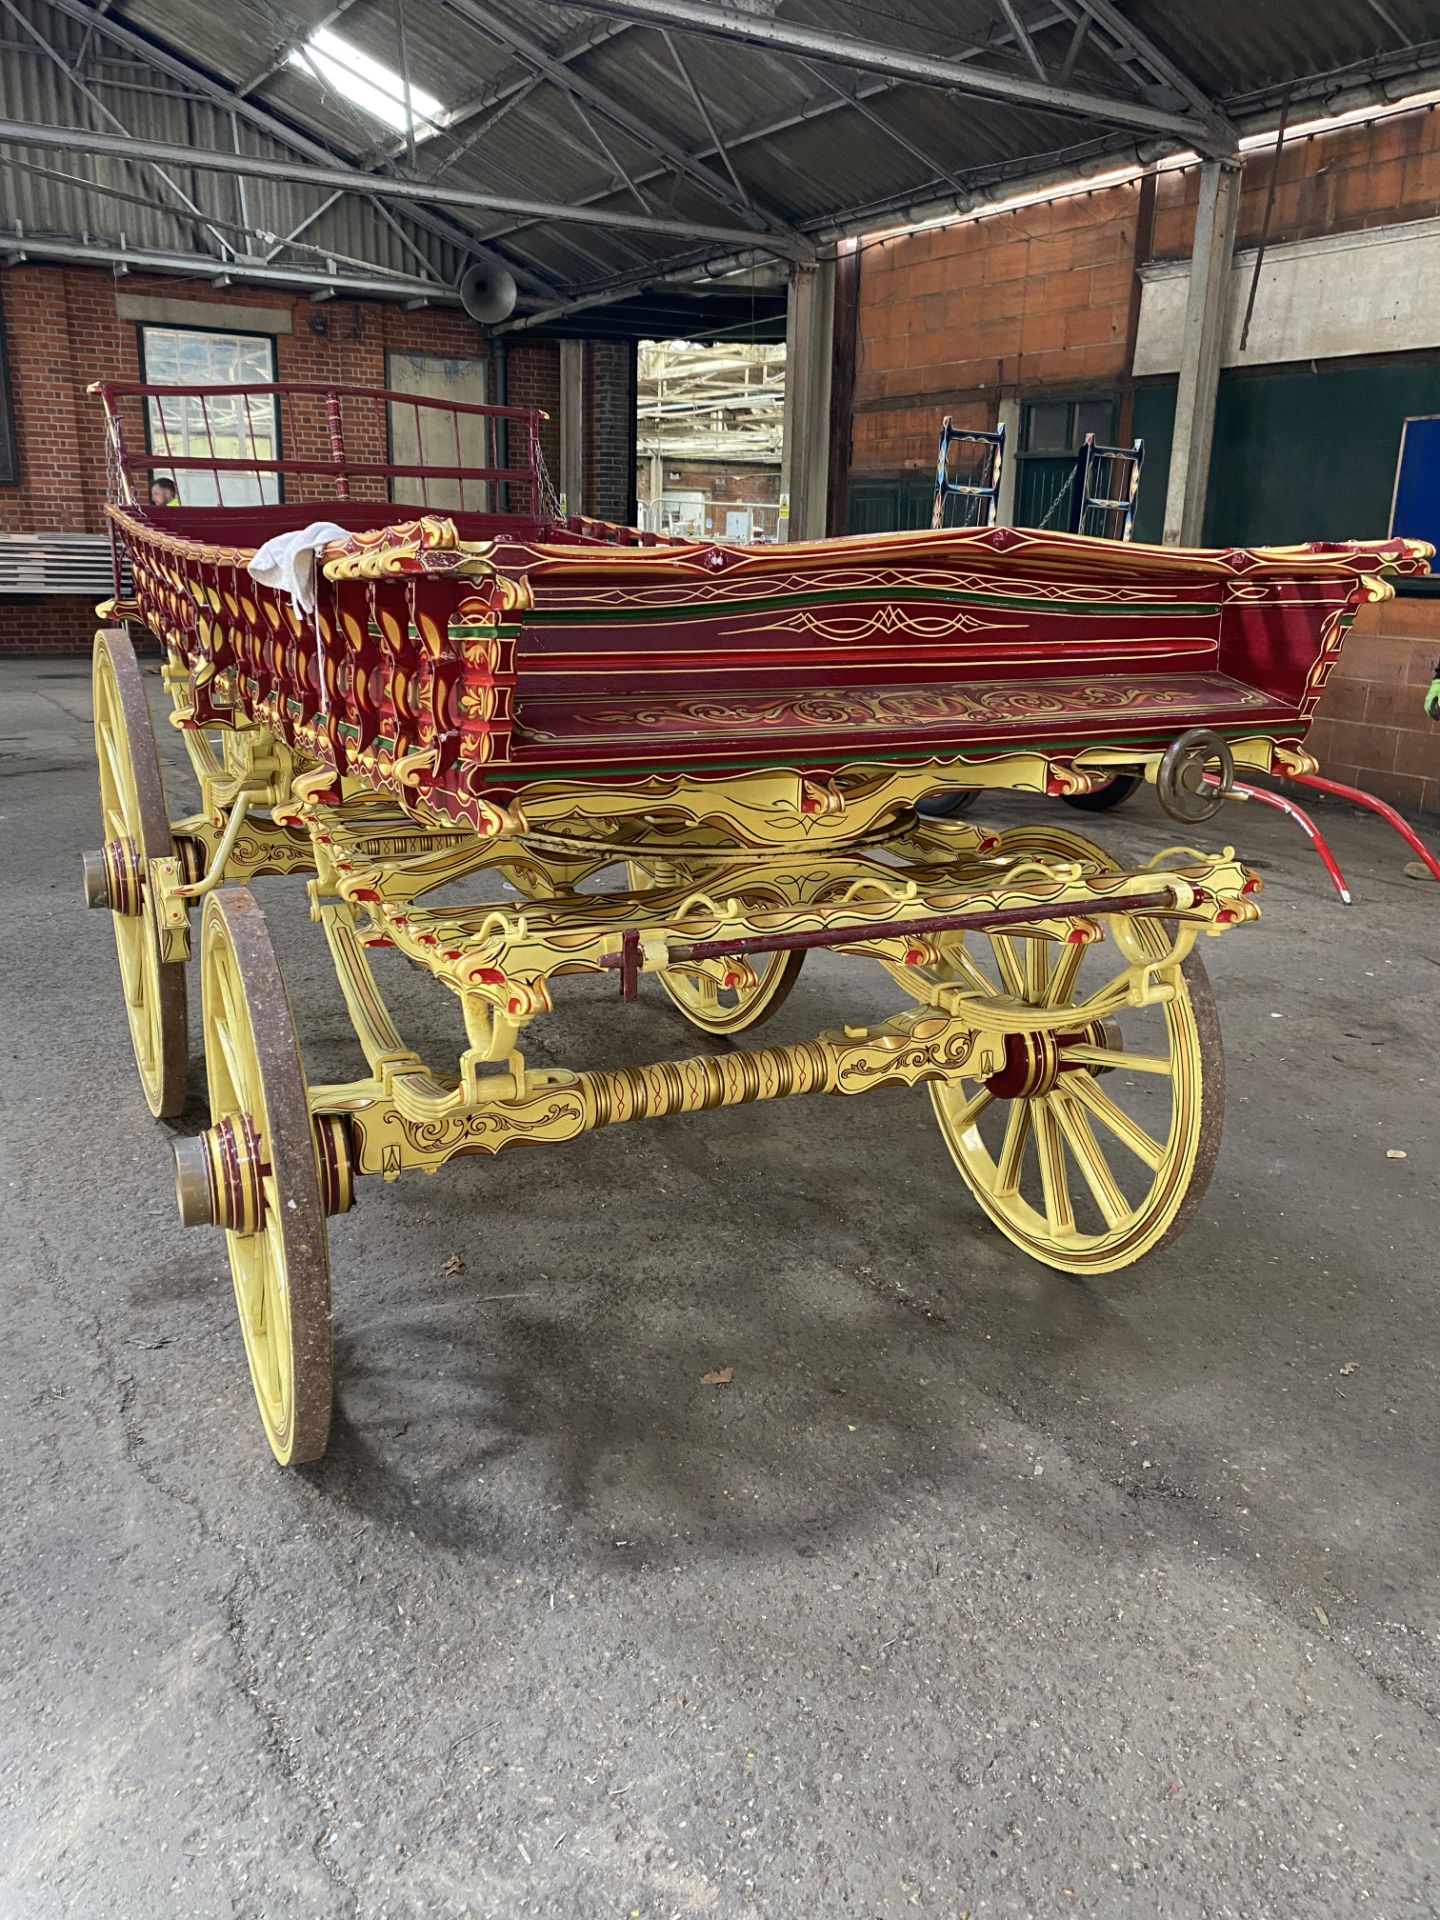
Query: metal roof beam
(1153, 57)
(161, 60)
(771, 35)
(1022, 39)
(108, 191)
(292, 43)
(816, 107)
(707, 118)
(1083, 24)
(87, 93)
(1387, 19)
(254, 167)
(19, 248)
(500, 27)
(498, 96)
(878, 120)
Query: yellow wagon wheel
(264, 1176)
(1095, 1141)
(1041, 841)
(136, 826)
(716, 1008)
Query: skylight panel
(369, 84)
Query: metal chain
(1061, 497)
(548, 501)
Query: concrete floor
(979, 1591)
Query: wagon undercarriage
(1042, 989)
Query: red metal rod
(337, 445)
(1386, 812)
(139, 462)
(1306, 825)
(905, 929)
(251, 442)
(210, 441)
(629, 965)
(126, 388)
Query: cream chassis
(372, 863)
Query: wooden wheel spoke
(272, 1333)
(1061, 983)
(227, 1025)
(1012, 972)
(1050, 1150)
(1129, 1132)
(132, 969)
(1036, 964)
(110, 748)
(1012, 1148)
(1093, 1166)
(963, 963)
(1082, 1053)
(970, 1112)
(250, 1290)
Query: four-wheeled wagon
(696, 762)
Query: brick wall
(952, 318)
(532, 379)
(52, 623)
(64, 331)
(1371, 730)
(749, 486)
(609, 455)
(1038, 299)
(1368, 175)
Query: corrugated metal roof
(572, 107)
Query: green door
(1298, 454)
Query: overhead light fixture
(369, 84)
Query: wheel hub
(113, 877)
(218, 1176)
(1034, 1062)
(1031, 1068)
(219, 1173)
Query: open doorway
(709, 432)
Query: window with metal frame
(438, 437)
(1052, 432)
(245, 428)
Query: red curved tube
(1386, 812)
(1306, 825)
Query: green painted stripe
(949, 596)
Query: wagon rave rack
(688, 762)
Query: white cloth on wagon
(288, 562)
